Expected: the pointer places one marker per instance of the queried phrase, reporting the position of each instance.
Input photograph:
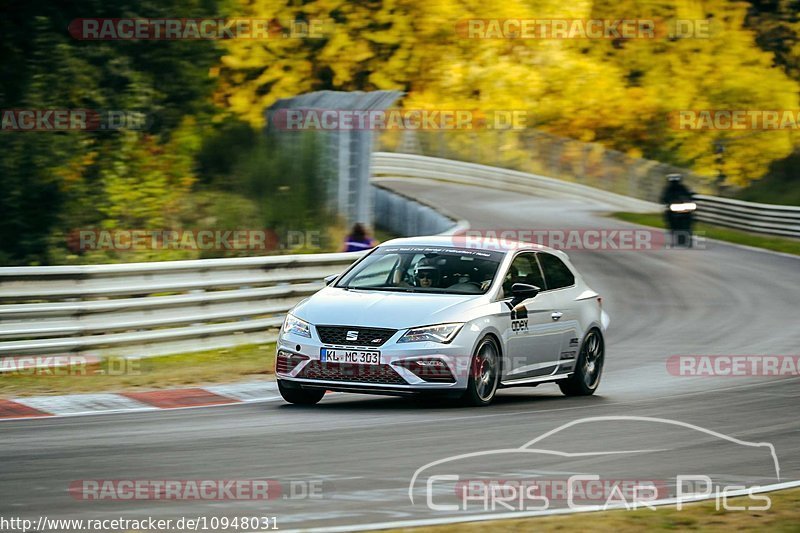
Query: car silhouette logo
(352, 335)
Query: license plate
(358, 357)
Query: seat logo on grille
(352, 335)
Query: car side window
(556, 273)
(377, 273)
(523, 269)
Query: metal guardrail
(144, 309)
(405, 216)
(748, 216)
(769, 219)
(389, 164)
(544, 154)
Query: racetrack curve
(364, 450)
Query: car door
(560, 282)
(533, 338)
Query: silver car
(442, 316)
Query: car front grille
(363, 336)
(383, 374)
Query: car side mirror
(330, 279)
(521, 292)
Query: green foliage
(780, 186)
(56, 182)
(284, 175)
(224, 145)
(776, 24)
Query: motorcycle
(680, 217)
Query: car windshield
(428, 269)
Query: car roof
(465, 241)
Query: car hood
(380, 309)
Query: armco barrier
(769, 219)
(144, 309)
(761, 218)
(407, 217)
(386, 164)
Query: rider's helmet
(674, 178)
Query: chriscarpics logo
(601, 463)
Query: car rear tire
(588, 367)
(300, 396)
(484, 375)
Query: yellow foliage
(617, 92)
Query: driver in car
(426, 274)
(511, 278)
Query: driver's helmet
(425, 269)
(674, 178)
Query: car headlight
(443, 333)
(292, 324)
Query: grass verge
(777, 244)
(226, 365)
(783, 516)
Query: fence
(345, 153)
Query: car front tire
(300, 396)
(588, 367)
(484, 375)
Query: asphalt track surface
(363, 450)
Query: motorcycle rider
(679, 223)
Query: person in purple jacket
(358, 240)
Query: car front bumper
(394, 375)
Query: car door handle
(556, 315)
